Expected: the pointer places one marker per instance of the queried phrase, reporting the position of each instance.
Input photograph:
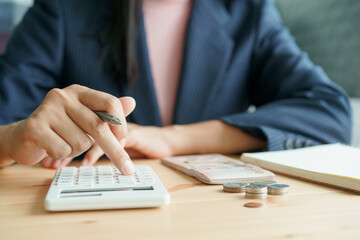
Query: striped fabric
(237, 54)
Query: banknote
(217, 168)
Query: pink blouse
(165, 23)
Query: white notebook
(332, 164)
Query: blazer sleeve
(32, 63)
(296, 103)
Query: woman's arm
(31, 65)
(296, 103)
(210, 137)
(199, 138)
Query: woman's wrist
(5, 130)
(188, 139)
(177, 139)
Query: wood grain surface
(197, 211)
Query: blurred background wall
(11, 13)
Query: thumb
(128, 104)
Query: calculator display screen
(106, 189)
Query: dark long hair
(119, 49)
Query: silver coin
(256, 186)
(278, 189)
(278, 186)
(234, 187)
(255, 196)
(234, 184)
(263, 182)
(256, 189)
(277, 192)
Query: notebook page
(335, 159)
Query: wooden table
(197, 211)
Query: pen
(107, 117)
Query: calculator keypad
(89, 176)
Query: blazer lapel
(146, 111)
(208, 50)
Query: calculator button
(146, 179)
(122, 177)
(104, 170)
(64, 183)
(105, 177)
(85, 183)
(85, 178)
(68, 170)
(105, 180)
(66, 179)
(86, 171)
(66, 175)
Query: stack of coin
(234, 187)
(263, 182)
(278, 189)
(256, 191)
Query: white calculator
(104, 187)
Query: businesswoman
(193, 68)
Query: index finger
(115, 152)
(100, 131)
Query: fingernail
(123, 142)
(57, 163)
(84, 162)
(129, 167)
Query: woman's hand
(63, 127)
(150, 141)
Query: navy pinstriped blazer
(237, 54)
